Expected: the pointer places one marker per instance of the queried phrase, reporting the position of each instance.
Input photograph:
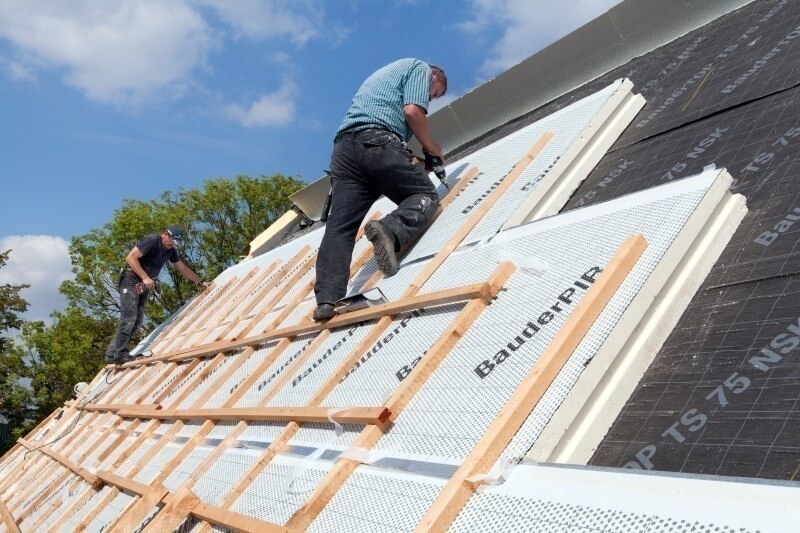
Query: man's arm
(417, 121)
(133, 261)
(189, 274)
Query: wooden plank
(167, 332)
(481, 210)
(114, 407)
(282, 283)
(70, 465)
(431, 299)
(516, 410)
(478, 290)
(351, 415)
(131, 485)
(343, 468)
(189, 319)
(244, 286)
(8, 519)
(235, 521)
(233, 321)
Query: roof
(596, 289)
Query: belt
(357, 129)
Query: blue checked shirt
(380, 99)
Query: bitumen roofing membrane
(712, 401)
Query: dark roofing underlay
(726, 93)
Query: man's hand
(205, 284)
(149, 283)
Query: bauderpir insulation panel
(559, 259)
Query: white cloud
(129, 51)
(113, 50)
(526, 26)
(41, 261)
(296, 20)
(273, 109)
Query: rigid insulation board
(441, 424)
(557, 498)
(726, 93)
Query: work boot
(324, 312)
(124, 358)
(383, 243)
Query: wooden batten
(517, 409)
(352, 415)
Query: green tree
(222, 218)
(14, 397)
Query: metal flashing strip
(553, 498)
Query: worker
(142, 267)
(370, 158)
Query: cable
(77, 418)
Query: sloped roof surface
(726, 93)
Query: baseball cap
(176, 234)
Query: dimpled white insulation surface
(111, 511)
(181, 473)
(244, 367)
(357, 509)
(198, 389)
(190, 428)
(55, 496)
(298, 313)
(264, 384)
(445, 419)
(115, 453)
(496, 160)
(219, 479)
(155, 466)
(133, 459)
(563, 498)
(222, 428)
(316, 370)
(383, 366)
(71, 524)
(67, 500)
(279, 490)
(170, 381)
(460, 399)
(184, 383)
(262, 431)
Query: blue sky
(102, 100)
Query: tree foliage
(12, 368)
(38, 374)
(221, 218)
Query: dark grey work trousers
(132, 308)
(365, 165)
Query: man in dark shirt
(144, 263)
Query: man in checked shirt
(370, 158)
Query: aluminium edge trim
(576, 429)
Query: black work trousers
(365, 165)
(132, 308)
